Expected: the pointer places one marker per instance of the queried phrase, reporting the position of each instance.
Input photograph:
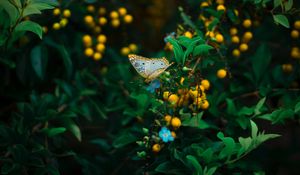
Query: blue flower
(153, 86)
(165, 135)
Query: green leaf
(177, 49)
(11, 10)
(259, 105)
(202, 49)
(288, 5)
(37, 7)
(38, 61)
(73, 128)
(245, 143)
(167, 168)
(186, 19)
(30, 26)
(123, 140)
(194, 162)
(229, 145)
(195, 121)
(281, 19)
(297, 107)
(277, 3)
(211, 171)
(254, 129)
(51, 132)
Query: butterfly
(149, 68)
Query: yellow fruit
(297, 24)
(236, 53)
(295, 53)
(287, 68)
(168, 118)
(88, 52)
(67, 13)
(97, 29)
(90, 8)
(173, 99)
(101, 11)
(97, 56)
(221, 8)
(233, 31)
(56, 11)
(173, 134)
(243, 47)
(220, 1)
(128, 19)
(102, 21)
(88, 19)
(166, 95)
(221, 73)
(235, 39)
(125, 51)
(63, 22)
(210, 34)
(219, 38)
(204, 4)
(122, 11)
(205, 104)
(188, 34)
(56, 26)
(133, 47)
(156, 148)
(295, 34)
(193, 93)
(175, 122)
(87, 40)
(200, 87)
(205, 83)
(100, 47)
(115, 23)
(247, 36)
(114, 14)
(247, 23)
(101, 38)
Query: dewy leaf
(30, 26)
(194, 162)
(178, 52)
(281, 19)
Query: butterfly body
(149, 68)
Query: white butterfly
(149, 68)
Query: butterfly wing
(156, 73)
(140, 64)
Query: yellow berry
(175, 122)
(133, 47)
(101, 38)
(295, 34)
(56, 11)
(243, 47)
(166, 95)
(97, 56)
(128, 18)
(247, 36)
(188, 34)
(67, 13)
(101, 11)
(114, 14)
(173, 99)
(102, 21)
(220, 1)
(204, 4)
(90, 8)
(193, 93)
(88, 19)
(88, 52)
(100, 47)
(173, 134)
(63, 22)
(221, 8)
(56, 26)
(156, 148)
(210, 34)
(115, 23)
(247, 23)
(122, 11)
(97, 29)
(233, 31)
(236, 53)
(87, 40)
(205, 83)
(205, 104)
(125, 51)
(221, 73)
(168, 118)
(235, 39)
(219, 38)
(287, 68)
(297, 24)
(295, 53)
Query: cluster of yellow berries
(220, 5)
(194, 98)
(131, 48)
(95, 21)
(295, 51)
(99, 48)
(246, 38)
(64, 15)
